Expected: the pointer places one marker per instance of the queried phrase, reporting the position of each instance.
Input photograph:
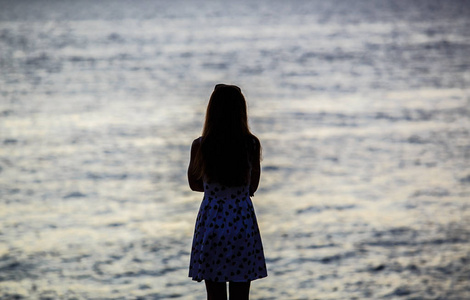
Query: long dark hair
(228, 148)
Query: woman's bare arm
(255, 175)
(195, 183)
(255, 170)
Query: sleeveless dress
(227, 243)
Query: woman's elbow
(196, 186)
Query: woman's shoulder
(196, 143)
(254, 141)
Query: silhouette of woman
(225, 165)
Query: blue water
(362, 109)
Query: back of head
(226, 112)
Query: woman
(225, 165)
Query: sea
(362, 108)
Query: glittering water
(362, 109)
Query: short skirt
(227, 242)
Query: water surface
(362, 110)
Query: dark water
(362, 109)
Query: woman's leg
(216, 290)
(239, 290)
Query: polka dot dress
(227, 243)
